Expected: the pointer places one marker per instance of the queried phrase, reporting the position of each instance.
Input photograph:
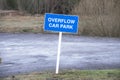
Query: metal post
(59, 51)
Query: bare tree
(3, 4)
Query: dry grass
(99, 26)
(21, 24)
(93, 25)
(99, 17)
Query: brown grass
(21, 24)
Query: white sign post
(60, 23)
(59, 51)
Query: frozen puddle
(23, 53)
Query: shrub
(99, 17)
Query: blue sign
(61, 23)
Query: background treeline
(97, 17)
(39, 6)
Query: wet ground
(24, 53)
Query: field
(70, 75)
(18, 24)
(88, 25)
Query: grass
(88, 25)
(21, 24)
(70, 75)
(99, 26)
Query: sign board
(61, 23)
